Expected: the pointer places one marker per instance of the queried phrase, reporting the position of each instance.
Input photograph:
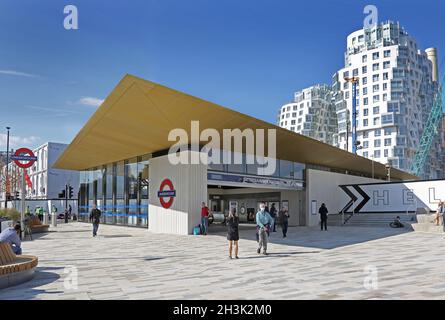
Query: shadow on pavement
(28, 290)
(312, 237)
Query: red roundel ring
(170, 193)
(27, 152)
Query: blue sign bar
(23, 158)
(167, 193)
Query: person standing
(233, 232)
(439, 213)
(204, 218)
(66, 216)
(323, 211)
(69, 210)
(11, 236)
(95, 219)
(273, 214)
(263, 221)
(284, 219)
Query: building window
(386, 65)
(385, 86)
(375, 88)
(376, 110)
(365, 91)
(364, 80)
(364, 69)
(355, 72)
(364, 58)
(365, 112)
(376, 121)
(385, 153)
(387, 53)
(375, 67)
(365, 122)
(387, 142)
(385, 76)
(376, 98)
(375, 56)
(365, 144)
(365, 154)
(377, 154)
(365, 101)
(375, 78)
(388, 131)
(377, 143)
(365, 134)
(377, 133)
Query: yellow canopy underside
(138, 115)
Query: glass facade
(120, 191)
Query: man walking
(284, 219)
(323, 211)
(204, 218)
(263, 221)
(95, 219)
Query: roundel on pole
(24, 158)
(166, 193)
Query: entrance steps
(371, 219)
(419, 222)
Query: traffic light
(62, 195)
(17, 195)
(70, 192)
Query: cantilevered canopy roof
(138, 115)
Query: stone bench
(15, 269)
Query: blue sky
(248, 55)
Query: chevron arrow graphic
(354, 198)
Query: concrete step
(427, 227)
(370, 219)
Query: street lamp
(7, 169)
(372, 161)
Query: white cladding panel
(323, 187)
(190, 184)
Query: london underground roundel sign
(24, 158)
(166, 193)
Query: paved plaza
(131, 263)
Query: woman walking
(232, 232)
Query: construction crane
(355, 143)
(429, 133)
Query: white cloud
(17, 141)
(18, 74)
(91, 101)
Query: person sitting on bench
(11, 236)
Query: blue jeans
(95, 227)
(205, 224)
(17, 250)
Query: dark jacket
(232, 229)
(95, 216)
(323, 211)
(284, 217)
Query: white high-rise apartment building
(312, 113)
(397, 86)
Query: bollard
(54, 219)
